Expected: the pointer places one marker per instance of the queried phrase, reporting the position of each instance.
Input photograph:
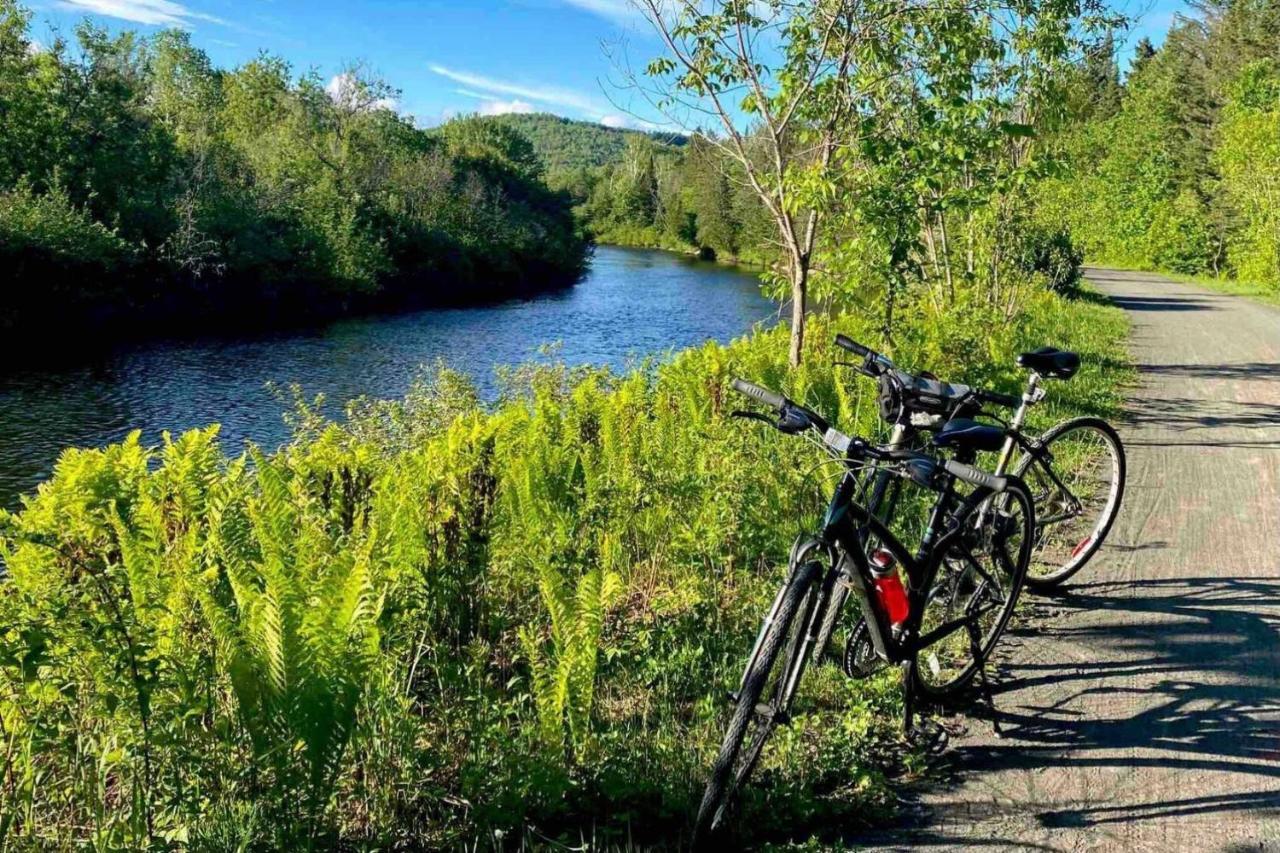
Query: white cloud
(160, 13)
(551, 95)
(497, 108)
(627, 122)
(346, 91)
(506, 96)
(35, 47)
(616, 10)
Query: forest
(145, 189)
(1163, 159)
(565, 145)
(1174, 167)
(438, 622)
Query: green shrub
(1180, 238)
(1247, 153)
(1053, 254)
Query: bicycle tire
(1083, 552)
(727, 775)
(1017, 490)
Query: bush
(57, 259)
(1051, 253)
(48, 225)
(1247, 153)
(1180, 238)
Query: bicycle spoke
(1077, 486)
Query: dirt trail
(1142, 707)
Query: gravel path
(1141, 707)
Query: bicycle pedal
(767, 712)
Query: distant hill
(565, 144)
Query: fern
(295, 614)
(563, 672)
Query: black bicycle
(938, 612)
(1075, 470)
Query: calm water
(632, 303)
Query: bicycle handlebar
(793, 417)
(755, 392)
(876, 365)
(1008, 401)
(973, 476)
(852, 346)
(873, 363)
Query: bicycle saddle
(1050, 362)
(964, 434)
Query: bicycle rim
(976, 583)
(1075, 511)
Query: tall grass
(436, 621)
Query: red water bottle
(890, 592)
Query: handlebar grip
(1007, 400)
(755, 392)
(972, 475)
(845, 342)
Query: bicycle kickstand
(975, 647)
(908, 695)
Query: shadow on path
(1190, 656)
(1163, 303)
(1242, 370)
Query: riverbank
(631, 304)
(516, 619)
(128, 311)
(650, 238)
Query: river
(632, 302)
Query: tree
(832, 93)
(1142, 53)
(716, 65)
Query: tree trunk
(946, 257)
(799, 295)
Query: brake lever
(792, 422)
(751, 416)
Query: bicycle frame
(846, 528)
(1033, 448)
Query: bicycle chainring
(860, 658)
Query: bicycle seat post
(1030, 397)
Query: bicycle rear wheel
(974, 588)
(761, 701)
(1077, 493)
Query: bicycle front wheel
(974, 588)
(761, 702)
(1077, 488)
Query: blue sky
(445, 57)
